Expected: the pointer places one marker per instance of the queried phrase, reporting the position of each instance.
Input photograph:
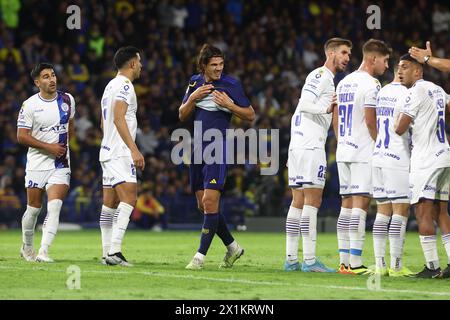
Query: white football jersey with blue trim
(48, 121)
(120, 88)
(355, 92)
(391, 150)
(425, 103)
(308, 130)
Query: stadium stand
(270, 46)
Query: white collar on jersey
(46, 100)
(121, 75)
(332, 74)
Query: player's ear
(374, 58)
(36, 82)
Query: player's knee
(115, 203)
(426, 228)
(130, 200)
(210, 205)
(316, 203)
(423, 218)
(35, 203)
(297, 204)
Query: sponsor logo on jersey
(213, 181)
(56, 129)
(205, 231)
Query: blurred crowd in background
(270, 46)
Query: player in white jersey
(43, 125)
(425, 56)
(119, 155)
(307, 162)
(390, 179)
(424, 111)
(356, 118)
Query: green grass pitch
(159, 272)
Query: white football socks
(397, 231)
(380, 233)
(106, 226)
(51, 224)
(308, 227)
(343, 235)
(430, 251)
(292, 234)
(446, 243)
(28, 225)
(232, 246)
(118, 232)
(357, 236)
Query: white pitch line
(241, 281)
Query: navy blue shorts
(207, 176)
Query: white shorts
(355, 178)
(45, 178)
(431, 184)
(117, 171)
(390, 184)
(307, 168)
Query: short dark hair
(206, 53)
(38, 68)
(408, 57)
(376, 46)
(123, 55)
(333, 43)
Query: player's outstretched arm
(422, 54)
(186, 109)
(222, 99)
(24, 137)
(120, 109)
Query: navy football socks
(223, 232)
(210, 223)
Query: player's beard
(338, 65)
(137, 75)
(50, 90)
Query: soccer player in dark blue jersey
(213, 98)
